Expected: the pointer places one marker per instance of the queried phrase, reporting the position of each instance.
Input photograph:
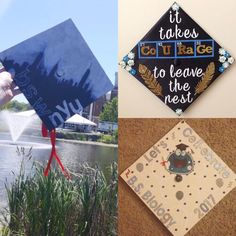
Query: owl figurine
(180, 161)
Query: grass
(54, 205)
(103, 138)
(71, 135)
(109, 138)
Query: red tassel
(163, 163)
(44, 130)
(53, 152)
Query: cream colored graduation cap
(180, 179)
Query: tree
(110, 111)
(16, 106)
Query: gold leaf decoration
(206, 79)
(149, 80)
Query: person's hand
(8, 88)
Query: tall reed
(54, 205)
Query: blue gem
(221, 69)
(133, 72)
(126, 58)
(227, 54)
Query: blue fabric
(57, 73)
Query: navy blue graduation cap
(57, 73)
(177, 60)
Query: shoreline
(70, 141)
(87, 142)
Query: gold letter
(166, 50)
(181, 49)
(145, 50)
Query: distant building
(93, 111)
(114, 92)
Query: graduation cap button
(60, 72)
(178, 178)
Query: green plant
(72, 135)
(108, 138)
(16, 106)
(110, 111)
(55, 205)
(115, 135)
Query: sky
(96, 21)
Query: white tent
(79, 120)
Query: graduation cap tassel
(44, 130)
(53, 152)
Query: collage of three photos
(117, 118)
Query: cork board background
(138, 135)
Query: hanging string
(44, 130)
(53, 152)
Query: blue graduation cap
(57, 73)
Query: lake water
(71, 155)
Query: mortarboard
(182, 146)
(57, 72)
(177, 60)
(180, 190)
